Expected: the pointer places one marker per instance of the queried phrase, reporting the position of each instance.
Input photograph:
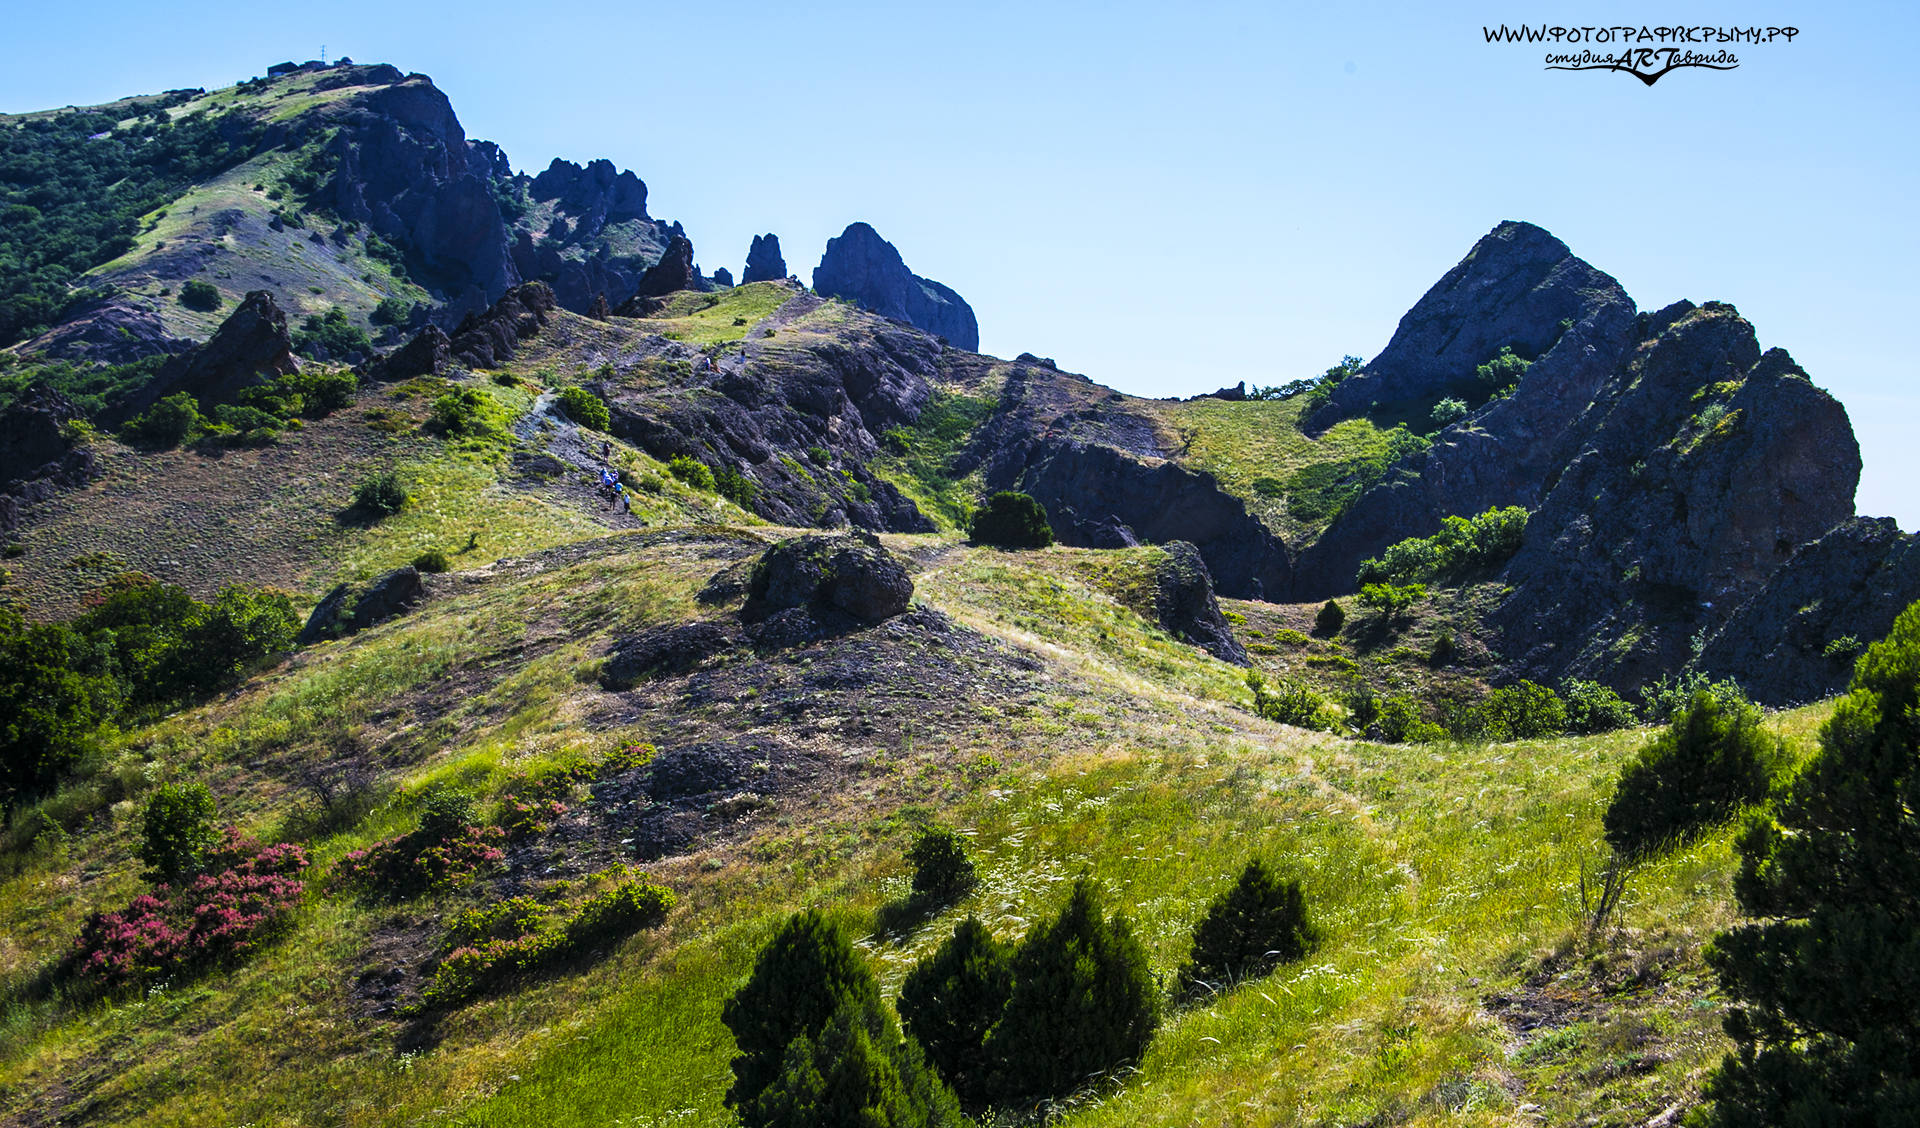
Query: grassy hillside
(1055, 727)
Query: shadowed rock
(1796, 640)
(347, 610)
(251, 347)
(853, 575)
(487, 340)
(764, 263)
(862, 267)
(1686, 485)
(675, 271)
(1185, 605)
(429, 353)
(671, 648)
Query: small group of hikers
(615, 491)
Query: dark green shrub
(200, 295)
(176, 830)
(1402, 721)
(1011, 520)
(167, 423)
(942, 872)
(382, 495)
(1290, 702)
(1447, 410)
(855, 1070)
(1594, 708)
(735, 487)
(241, 630)
(1523, 711)
(333, 332)
(392, 311)
(505, 379)
(951, 1001)
(806, 972)
(445, 811)
(691, 472)
(1084, 1003)
(1442, 652)
(1461, 549)
(466, 413)
(585, 408)
(1664, 699)
(1826, 984)
(432, 560)
(1711, 759)
(1260, 922)
(1329, 619)
(1503, 370)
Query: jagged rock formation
(430, 351)
(722, 278)
(675, 271)
(760, 411)
(1688, 482)
(1186, 607)
(110, 330)
(37, 459)
(596, 195)
(1502, 454)
(1515, 287)
(862, 267)
(487, 340)
(764, 263)
(853, 575)
(250, 347)
(1796, 640)
(600, 310)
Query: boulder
(428, 354)
(600, 310)
(864, 268)
(670, 648)
(764, 263)
(488, 340)
(31, 435)
(675, 271)
(1185, 605)
(851, 574)
(348, 610)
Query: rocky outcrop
(428, 354)
(347, 610)
(1503, 454)
(37, 459)
(1796, 640)
(761, 412)
(862, 267)
(672, 648)
(1516, 287)
(1186, 607)
(600, 310)
(597, 195)
(488, 340)
(722, 278)
(675, 271)
(1689, 481)
(764, 263)
(829, 576)
(251, 347)
(109, 330)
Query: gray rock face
(37, 462)
(113, 330)
(1186, 607)
(862, 267)
(599, 193)
(346, 611)
(852, 575)
(1789, 643)
(1688, 482)
(251, 347)
(764, 263)
(1515, 287)
(1502, 455)
(760, 414)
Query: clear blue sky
(1173, 199)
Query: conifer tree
(1828, 981)
(1083, 1002)
(951, 1001)
(1258, 923)
(807, 972)
(855, 1072)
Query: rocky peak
(861, 266)
(251, 347)
(1519, 286)
(764, 263)
(488, 340)
(611, 195)
(675, 271)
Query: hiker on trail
(626, 500)
(606, 452)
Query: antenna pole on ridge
(323, 54)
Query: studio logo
(1646, 53)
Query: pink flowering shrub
(421, 861)
(244, 899)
